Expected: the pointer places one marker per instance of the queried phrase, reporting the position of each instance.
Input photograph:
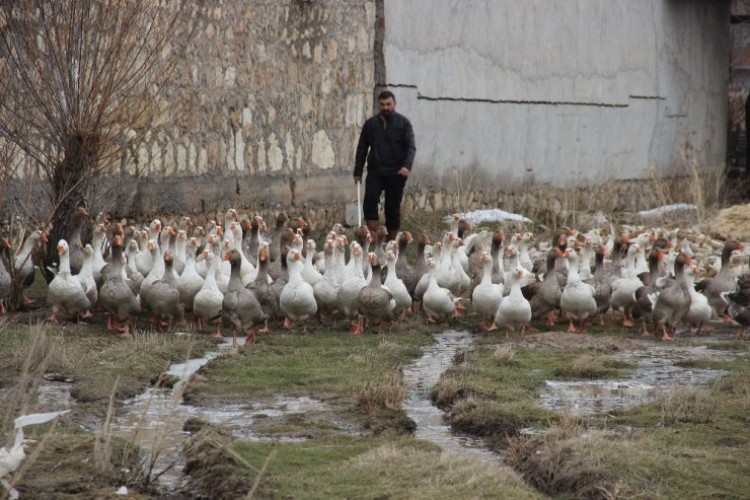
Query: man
(387, 144)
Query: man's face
(387, 106)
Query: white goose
(438, 302)
(208, 300)
(65, 294)
(577, 299)
(487, 295)
(623, 289)
(514, 311)
(309, 273)
(700, 309)
(396, 286)
(297, 301)
(349, 290)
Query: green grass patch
(375, 467)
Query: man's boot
(373, 226)
(392, 234)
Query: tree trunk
(70, 180)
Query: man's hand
(404, 172)
(357, 179)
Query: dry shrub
(570, 460)
(585, 367)
(690, 404)
(505, 354)
(387, 393)
(447, 390)
(214, 469)
(489, 419)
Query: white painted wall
(579, 90)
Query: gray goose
(240, 308)
(673, 302)
(724, 281)
(264, 291)
(374, 301)
(405, 271)
(116, 296)
(164, 298)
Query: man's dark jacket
(390, 143)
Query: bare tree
(83, 82)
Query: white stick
(359, 205)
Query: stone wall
(273, 95)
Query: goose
(652, 285)
(424, 280)
(349, 290)
(724, 281)
(180, 252)
(375, 302)
(700, 310)
(251, 240)
(602, 286)
(10, 459)
(584, 267)
(131, 270)
(544, 296)
(116, 295)
(577, 298)
(326, 290)
(66, 294)
(297, 301)
(486, 297)
(446, 273)
(98, 243)
(275, 245)
(309, 273)
(511, 256)
(155, 274)
(737, 309)
(208, 300)
(23, 264)
(406, 272)
(5, 281)
(623, 289)
(79, 220)
(264, 292)
(496, 253)
(247, 269)
(524, 259)
(514, 312)
(144, 261)
(438, 302)
(163, 299)
(672, 304)
(86, 277)
(240, 307)
(420, 265)
(395, 284)
(189, 282)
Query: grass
(688, 442)
(373, 467)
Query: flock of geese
(238, 274)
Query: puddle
(155, 419)
(419, 378)
(654, 371)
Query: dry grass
(505, 354)
(586, 366)
(443, 475)
(690, 404)
(388, 392)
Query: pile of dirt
(564, 340)
(730, 222)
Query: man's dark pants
(393, 185)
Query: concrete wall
(503, 93)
